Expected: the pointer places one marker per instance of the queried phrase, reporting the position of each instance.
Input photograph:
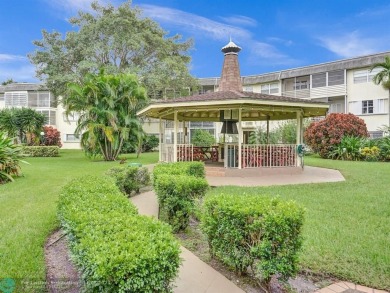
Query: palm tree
(383, 77)
(107, 105)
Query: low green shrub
(195, 169)
(41, 151)
(176, 196)
(253, 231)
(130, 179)
(115, 249)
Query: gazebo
(232, 106)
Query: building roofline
(348, 63)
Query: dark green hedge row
(130, 179)
(176, 186)
(195, 169)
(115, 249)
(176, 196)
(254, 231)
(41, 151)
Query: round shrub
(324, 135)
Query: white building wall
(360, 90)
(67, 126)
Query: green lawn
(347, 228)
(28, 208)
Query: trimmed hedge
(130, 179)
(253, 231)
(115, 249)
(195, 169)
(41, 151)
(176, 196)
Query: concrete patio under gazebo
(232, 106)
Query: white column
(298, 140)
(239, 138)
(175, 129)
(160, 140)
(299, 127)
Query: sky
(274, 35)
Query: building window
(360, 76)
(375, 134)
(368, 107)
(319, 80)
(300, 85)
(335, 77)
(248, 89)
(335, 108)
(72, 138)
(71, 117)
(271, 88)
(50, 116)
(274, 88)
(15, 99)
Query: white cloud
(11, 58)
(350, 44)
(240, 20)
(194, 23)
(73, 6)
(18, 72)
(208, 28)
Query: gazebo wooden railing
(252, 155)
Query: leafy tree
(8, 81)
(23, 123)
(383, 77)
(108, 104)
(118, 40)
(202, 138)
(259, 136)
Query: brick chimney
(230, 77)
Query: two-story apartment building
(37, 97)
(345, 84)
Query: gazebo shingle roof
(235, 95)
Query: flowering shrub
(370, 153)
(325, 135)
(52, 136)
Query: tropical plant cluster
(130, 180)
(10, 157)
(41, 151)
(285, 132)
(177, 186)
(202, 137)
(352, 148)
(149, 143)
(24, 124)
(324, 136)
(255, 232)
(115, 248)
(107, 104)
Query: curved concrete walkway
(194, 275)
(308, 175)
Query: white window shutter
(355, 107)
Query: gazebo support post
(175, 128)
(299, 134)
(267, 129)
(239, 138)
(160, 134)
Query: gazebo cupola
(230, 77)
